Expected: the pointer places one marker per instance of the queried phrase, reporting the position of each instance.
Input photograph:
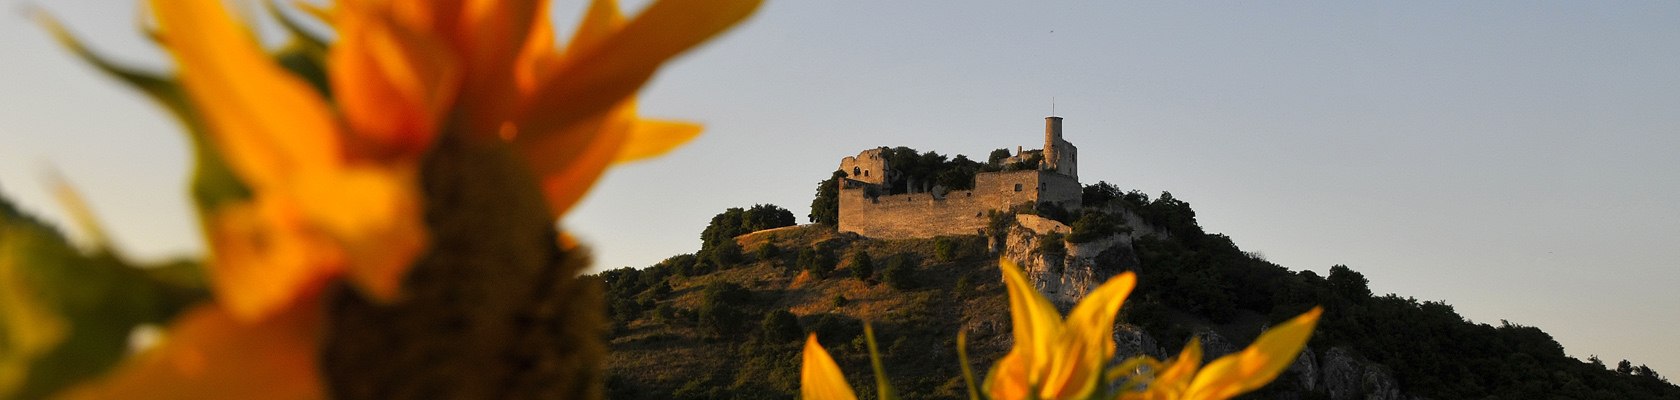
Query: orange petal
(599, 77)
(652, 138)
(208, 354)
(1008, 378)
(599, 22)
(268, 124)
(1258, 364)
(490, 38)
(392, 83)
(265, 255)
(567, 168)
(820, 377)
(374, 215)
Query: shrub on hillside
(899, 272)
(946, 248)
(1093, 225)
(726, 254)
(833, 329)
(1052, 244)
(720, 312)
(819, 260)
(768, 252)
(779, 326)
(863, 268)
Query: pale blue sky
(1511, 158)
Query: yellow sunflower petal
(652, 138)
(820, 377)
(1035, 321)
(209, 354)
(1175, 378)
(268, 124)
(1095, 313)
(1087, 340)
(1256, 365)
(599, 77)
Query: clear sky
(1515, 159)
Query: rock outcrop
(1064, 272)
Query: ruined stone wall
(868, 166)
(958, 212)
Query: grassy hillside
(688, 329)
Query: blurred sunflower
(323, 161)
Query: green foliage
(998, 223)
(1093, 225)
(863, 268)
(964, 284)
(900, 272)
(736, 222)
(1099, 195)
(833, 328)
(767, 252)
(720, 312)
(779, 326)
(1348, 283)
(66, 314)
(825, 208)
(819, 260)
(931, 167)
(1054, 212)
(725, 254)
(946, 248)
(997, 156)
(1053, 244)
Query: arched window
(1017, 187)
(866, 172)
(855, 171)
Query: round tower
(1052, 135)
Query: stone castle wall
(958, 212)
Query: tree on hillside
(1099, 194)
(736, 222)
(997, 156)
(825, 209)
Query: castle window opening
(866, 172)
(1017, 187)
(855, 171)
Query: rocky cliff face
(1065, 272)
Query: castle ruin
(929, 210)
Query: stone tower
(1059, 155)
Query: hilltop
(726, 321)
